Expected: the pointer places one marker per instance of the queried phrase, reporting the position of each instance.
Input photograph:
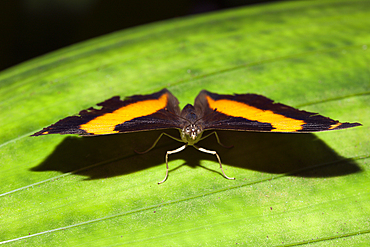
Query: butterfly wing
(159, 110)
(252, 112)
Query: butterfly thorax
(192, 130)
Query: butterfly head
(191, 133)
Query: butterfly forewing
(252, 112)
(159, 110)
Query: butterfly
(211, 111)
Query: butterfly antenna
(178, 116)
(205, 115)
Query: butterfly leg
(156, 141)
(171, 152)
(218, 158)
(218, 139)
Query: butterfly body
(191, 129)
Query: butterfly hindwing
(159, 110)
(252, 112)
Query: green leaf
(289, 189)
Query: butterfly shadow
(99, 157)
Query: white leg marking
(218, 158)
(171, 152)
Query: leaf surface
(289, 189)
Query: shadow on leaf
(97, 157)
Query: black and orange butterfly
(211, 111)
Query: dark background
(30, 28)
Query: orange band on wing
(236, 109)
(106, 123)
(333, 126)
